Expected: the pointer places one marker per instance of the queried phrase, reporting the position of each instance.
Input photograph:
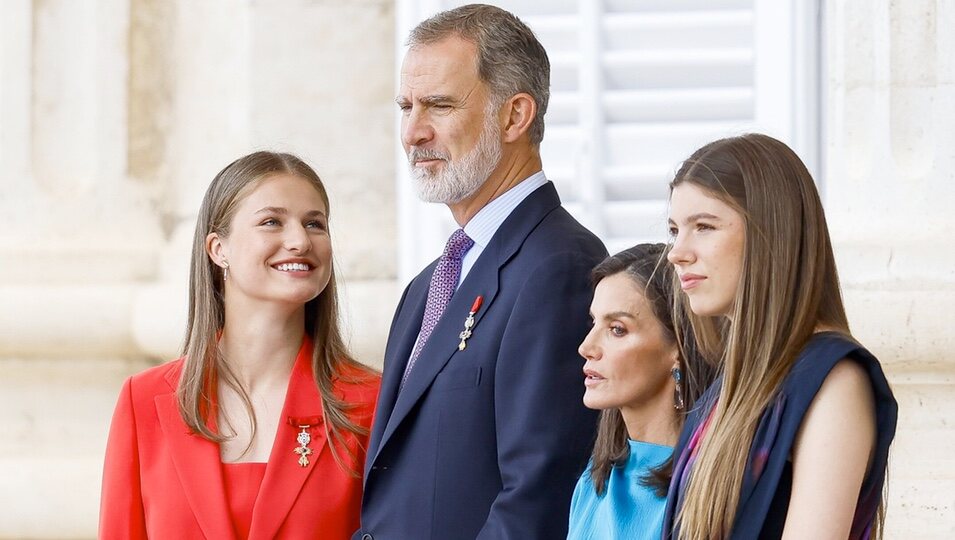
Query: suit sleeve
(544, 432)
(121, 504)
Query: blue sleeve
(583, 493)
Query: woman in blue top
(643, 377)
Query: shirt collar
(488, 220)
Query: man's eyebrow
(437, 98)
(433, 99)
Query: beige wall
(890, 187)
(115, 115)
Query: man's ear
(521, 109)
(216, 250)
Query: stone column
(75, 239)
(114, 117)
(198, 53)
(890, 191)
(331, 67)
(284, 76)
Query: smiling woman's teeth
(292, 267)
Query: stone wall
(114, 117)
(890, 183)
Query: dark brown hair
(646, 265)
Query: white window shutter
(636, 86)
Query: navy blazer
(488, 442)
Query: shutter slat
(627, 218)
(637, 183)
(685, 30)
(697, 68)
(629, 6)
(675, 105)
(662, 144)
(526, 9)
(562, 109)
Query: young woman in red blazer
(260, 429)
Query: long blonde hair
(788, 286)
(204, 365)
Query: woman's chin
(596, 402)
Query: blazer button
(367, 536)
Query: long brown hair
(646, 265)
(204, 365)
(788, 287)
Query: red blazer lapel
(284, 476)
(199, 469)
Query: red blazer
(161, 481)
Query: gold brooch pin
(469, 323)
(304, 438)
(303, 450)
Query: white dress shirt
(488, 220)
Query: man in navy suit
(480, 431)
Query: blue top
(628, 509)
(767, 481)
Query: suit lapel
(483, 280)
(401, 339)
(284, 477)
(444, 340)
(199, 468)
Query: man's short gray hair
(510, 58)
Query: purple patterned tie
(444, 281)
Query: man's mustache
(422, 154)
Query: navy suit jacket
(488, 442)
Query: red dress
(242, 484)
(161, 481)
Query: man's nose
(415, 129)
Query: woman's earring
(225, 270)
(677, 375)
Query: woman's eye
(704, 227)
(315, 225)
(270, 222)
(672, 231)
(618, 330)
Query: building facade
(116, 114)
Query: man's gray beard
(461, 178)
